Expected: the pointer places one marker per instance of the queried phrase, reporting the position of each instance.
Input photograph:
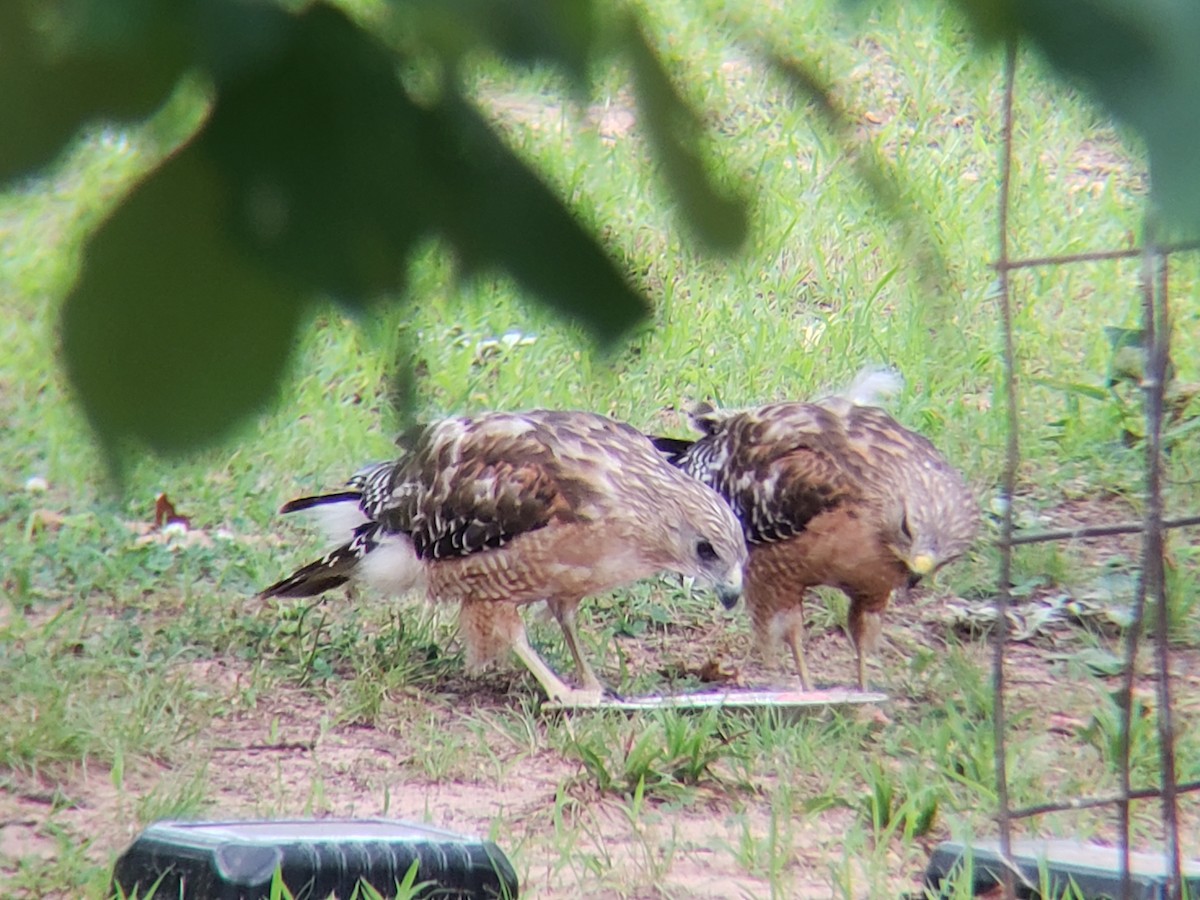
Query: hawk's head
(704, 540)
(928, 531)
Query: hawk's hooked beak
(922, 564)
(730, 590)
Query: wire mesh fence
(1151, 591)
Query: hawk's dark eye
(705, 552)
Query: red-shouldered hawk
(506, 509)
(829, 493)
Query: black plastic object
(318, 858)
(1093, 870)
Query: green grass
(133, 665)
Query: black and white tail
(672, 449)
(701, 457)
(331, 570)
(385, 560)
(340, 513)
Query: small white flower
(36, 484)
(515, 338)
(174, 529)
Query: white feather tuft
(392, 567)
(337, 520)
(873, 385)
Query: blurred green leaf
(338, 173)
(49, 88)
(498, 214)
(883, 179)
(718, 218)
(560, 32)
(173, 333)
(1139, 59)
(314, 174)
(321, 149)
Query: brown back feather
(782, 464)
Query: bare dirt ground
(284, 757)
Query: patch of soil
(1085, 512)
(612, 121)
(449, 755)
